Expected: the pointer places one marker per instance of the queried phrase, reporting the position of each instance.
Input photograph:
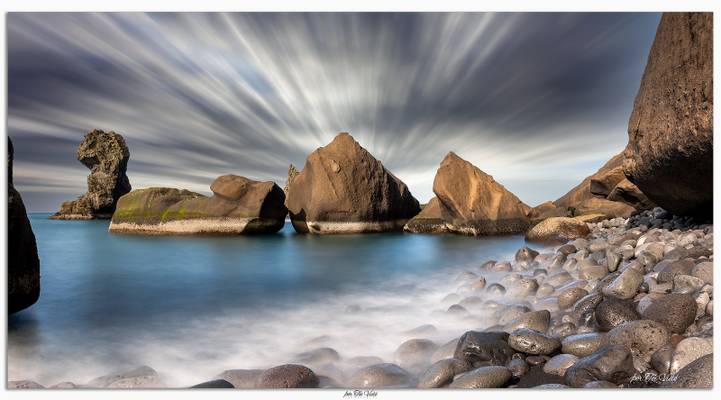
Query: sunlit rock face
(23, 263)
(344, 189)
(469, 201)
(670, 148)
(238, 206)
(106, 155)
(606, 192)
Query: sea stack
(238, 206)
(670, 148)
(344, 189)
(469, 201)
(106, 155)
(23, 262)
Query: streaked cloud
(537, 100)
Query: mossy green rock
(238, 206)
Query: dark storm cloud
(538, 100)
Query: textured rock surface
(675, 311)
(381, 376)
(670, 150)
(605, 192)
(469, 201)
(287, 376)
(610, 363)
(484, 377)
(697, 375)
(23, 264)
(557, 229)
(106, 155)
(238, 205)
(484, 347)
(344, 189)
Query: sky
(537, 100)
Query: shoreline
(563, 279)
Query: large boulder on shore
(344, 189)
(238, 206)
(558, 230)
(106, 155)
(23, 262)
(469, 201)
(670, 134)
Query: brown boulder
(23, 263)
(670, 149)
(471, 202)
(344, 189)
(106, 155)
(546, 210)
(238, 206)
(557, 229)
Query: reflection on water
(193, 306)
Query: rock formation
(23, 263)
(606, 192)
(469, 201)
(106, 155)
(292, 173)
(670, 150)
(344, 189)
(238, 206)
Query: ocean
(191, 307)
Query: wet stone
(611, 313)
(384, 375)
(675, 311)
(483, 377)
(441, 373)
(582, 345)
(484, 347)
(609, 363)
(287, 376)
(533, 342)
(558, 364)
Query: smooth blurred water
(193, 306)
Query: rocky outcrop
(606, 192)
(23, 263)
(670, 148)
(344, 189)
(469, 201)
(106, 155)
(238, 206)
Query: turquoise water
(193, 306)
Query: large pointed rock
(670, 134)
(344, 189)
(106, 155)
(469, 201)
(23, 263)
(238, 206)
